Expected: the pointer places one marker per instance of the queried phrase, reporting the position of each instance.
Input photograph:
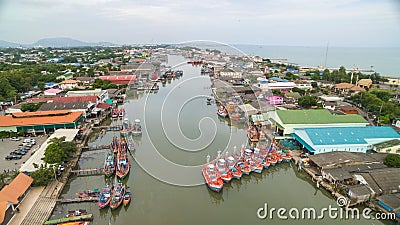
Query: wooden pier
(77, 200)
(110, 128)
(88, 172)
(95, 147)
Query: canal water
(179, 131)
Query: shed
(248, 109)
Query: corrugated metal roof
(349, 135)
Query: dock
(88, 217)
(95, 148)
(110, 128)
(89, 172)
(77, 200)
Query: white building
(102, 95)
(230, 73)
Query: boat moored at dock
(137, 128)
(117, 196)
(212, 178)
(105, 197)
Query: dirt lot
(7, 146)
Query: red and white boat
(222, 168)
(123, 162)
(234, 168)
(212, 178)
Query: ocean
(385, 61)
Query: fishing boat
(79, 212)
(76, 223)
(105, 197)
(212, 178)
(127, 198)
(279, 157)
(222, 168)
(88, 193)
(234, 168)
(266, 163)
(121, 112)
(245, 161)
(273, 160)
(287, 157)
(256, 166)
(253, 134)
(117, 196)
(115, 113)
(179, 73)
(123, 162)
(109, 164)
(245, 167)
(115, 144)
(256, 162)
(222, 112)
(137, 128)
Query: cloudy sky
(355, 23)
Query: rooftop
(335, 159)
(349, 135)
(391, 200)
(316, 116)
(90, 98)
(63, 105)
(39, 118)
(16, 188)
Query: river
(180, 129)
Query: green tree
(315, 75)
(308, 101)
(392, 160)
(30, 107)
(7, 91)
(41, 85)
(42, 176)
(326, 75)
(54, 154)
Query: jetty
(110, 128)
(88, 217)
(77, 200)
(95, 147)
(89, 171)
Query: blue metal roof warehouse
(350, 139)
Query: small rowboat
(127, 198)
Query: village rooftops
(64, 99)
(336, 159)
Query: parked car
(17, 152)
(15, 139)
(28, 145)
(23, 150)
(26, 148)
(11, 157)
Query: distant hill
(56, 43)
(6, 44)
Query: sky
(347, 23)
